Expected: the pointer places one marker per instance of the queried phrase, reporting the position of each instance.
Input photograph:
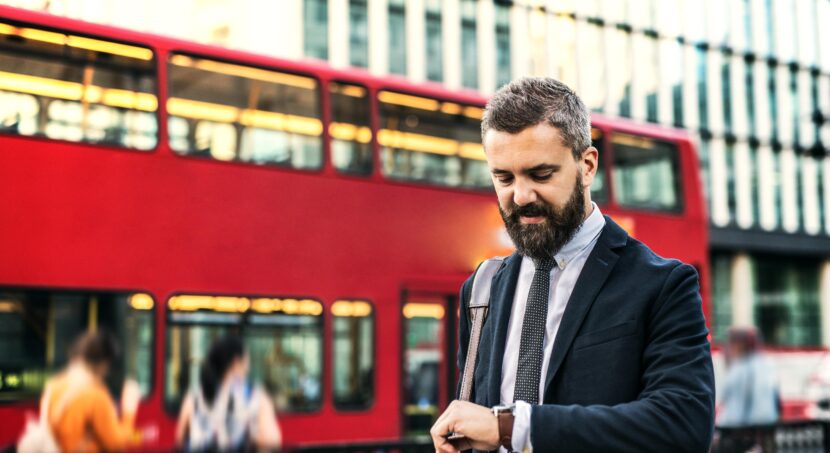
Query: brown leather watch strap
(506, 429)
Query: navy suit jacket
(631, 368)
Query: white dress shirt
(563, 276)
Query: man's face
(542, 190)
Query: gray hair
(528, 101)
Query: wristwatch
(505, 417)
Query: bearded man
(593, 342)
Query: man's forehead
(541, 132)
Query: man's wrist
(505, 418)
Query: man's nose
(523, 193)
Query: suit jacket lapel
(501, 303)
(596, 270)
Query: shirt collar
(585, 236)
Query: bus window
(232, 112)
(37, 327)
(646, 173)
(430, 141)
(599, 188)
(350, 129)
(353, 354)
(69, 87)
(283, 339)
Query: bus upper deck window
(350, 129)
(430, 141)
(227, 111)
(69, 87)
(646, 173)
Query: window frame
(236, 162)
(152, 389)
(156, 74)
(172, 408)
(368, 407)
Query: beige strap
(479, 304)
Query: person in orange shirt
(82, 414)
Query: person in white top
(593, 342)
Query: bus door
(429, 339)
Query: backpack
(227, 424)
(37, 436)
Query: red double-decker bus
(173, 192)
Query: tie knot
(545, 264)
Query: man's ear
(589, 162)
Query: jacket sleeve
(111, 433)
(675, 409)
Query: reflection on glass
(619, 58)
(37, 327)
(726, 96)
(353, 354)
(226, 111)
(646, 173)
(423, 354)
(721, 297)
(81, 90)
(350, 129)
(423, 139)
(787, 301)
(283, 337)
(599, 188)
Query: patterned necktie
(529, 371)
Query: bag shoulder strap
(478, 306)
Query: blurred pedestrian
(749, 398)
(225, 412)
(79, 412)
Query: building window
(232, 112)
(283, 337)
(316, 36)
(703, 155)
(747, 22)
(503, 73)
(619, 72)
(397, 37)
(435, 43)
(795, 108)
(353, 354)
(721, 296)
(777, 189)
(469, 45)
(768, 12)
(773, 102)
(731, 186)
(754, 191)
(37, 326)
(701, 88)
(359, 33)
(725, 70)
(787, 302)
(749, 80)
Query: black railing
(414, 445)
(789, 437)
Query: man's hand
(477, 423)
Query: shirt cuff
(521, 427)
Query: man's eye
(505, 179)
(542, 176)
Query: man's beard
(546, 239)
